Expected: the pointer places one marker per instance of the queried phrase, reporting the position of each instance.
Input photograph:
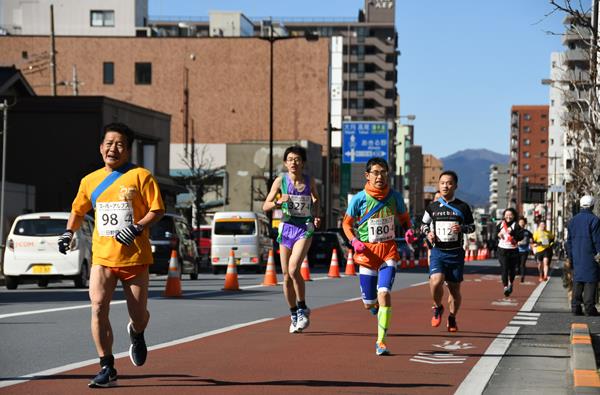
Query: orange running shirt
(126, 201)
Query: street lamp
(4, 108)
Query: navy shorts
(450, 263)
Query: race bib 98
(299, 205)
(112, 217)
(381, 229)
(443, 231)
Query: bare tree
(203, 179)
(580, 90)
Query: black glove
(127, 235)
(64, 241)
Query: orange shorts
(126, 273)
(376, 254)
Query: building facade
(528, 155)
(74, 17)
(499, 179)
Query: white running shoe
(303, 319)
(293, 324)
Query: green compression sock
(383, 322)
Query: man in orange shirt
(126, 201)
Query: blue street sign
(363, 141)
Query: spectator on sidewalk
(583, 249)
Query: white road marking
(83, 306)
(353, 299)
(77, 365)
(514, 322)
(522, 313)
(421, 283)
(481, 373)
(525, 318)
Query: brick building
(228, 82)
(528, 155)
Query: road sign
(556, 188)
(363, 141)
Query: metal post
(75, 82)
(328, 175)
(52, 53)
(271, 107)
(4, 107)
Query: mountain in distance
(473, 169)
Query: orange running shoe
(436, 320)
(452, 324)
(381, 349)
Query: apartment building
(528, 155)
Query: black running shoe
(452, 327)
(106, 378)
(506, 291)
(137, 351)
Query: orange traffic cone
(173, 287)
(305, 270)
(480, 254)
(334, 268)
(270, 274)
(403, 262)
(231, 277)
(422, 261)
(487, 253)
(350, 271)
(469, 255)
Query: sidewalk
(539, 358)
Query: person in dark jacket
(524, 248)
(583, 249)
(509, 234)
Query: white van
(247, 233)
(32, 250)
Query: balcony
(578, 55)
(576, 34)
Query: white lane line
(481, 373)
(435, 362)
(521, 314)
(421, 283)
(532, 300)
(525, 318)
(479, 376)
(77, 365)
(83, 306)
(353, 299)
(522, 322)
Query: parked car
(32, 250)
(322, 246)
(244, 232)
(172, 232)
(202, 236)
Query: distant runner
(300, 205)
(543, 240)
(509, 234)
(445, 222)
(375, 212)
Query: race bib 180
(443, 231)
(299, 205)
(112, 217)
(381, 229)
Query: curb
(583, 362)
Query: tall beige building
(432, 168)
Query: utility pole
(75, 82)
(52, 53)
(4, 108)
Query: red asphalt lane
(336, 355)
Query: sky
(463, 63)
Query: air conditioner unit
(145, 31)
(216, 32)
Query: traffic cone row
(334, 268)
(231, 277)
(350, 271)
(270, 273)
(173, 286)
(305, 270)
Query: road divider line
(480, 375)
(421, 283)
(83, 306)
(353, 299)
(77, 365)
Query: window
(543, 166)
(526, 142)
(24, 55)
(544, 116)
(526, 179)
(149, 152)
(551, 141)
(143, 73)
(526, 154)
(569, 163)
(526, 166)
(526, 117)
(108, 73)
(543, 141)
(552, 121)
(543, 128)
(102, 18)
(526, 129)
